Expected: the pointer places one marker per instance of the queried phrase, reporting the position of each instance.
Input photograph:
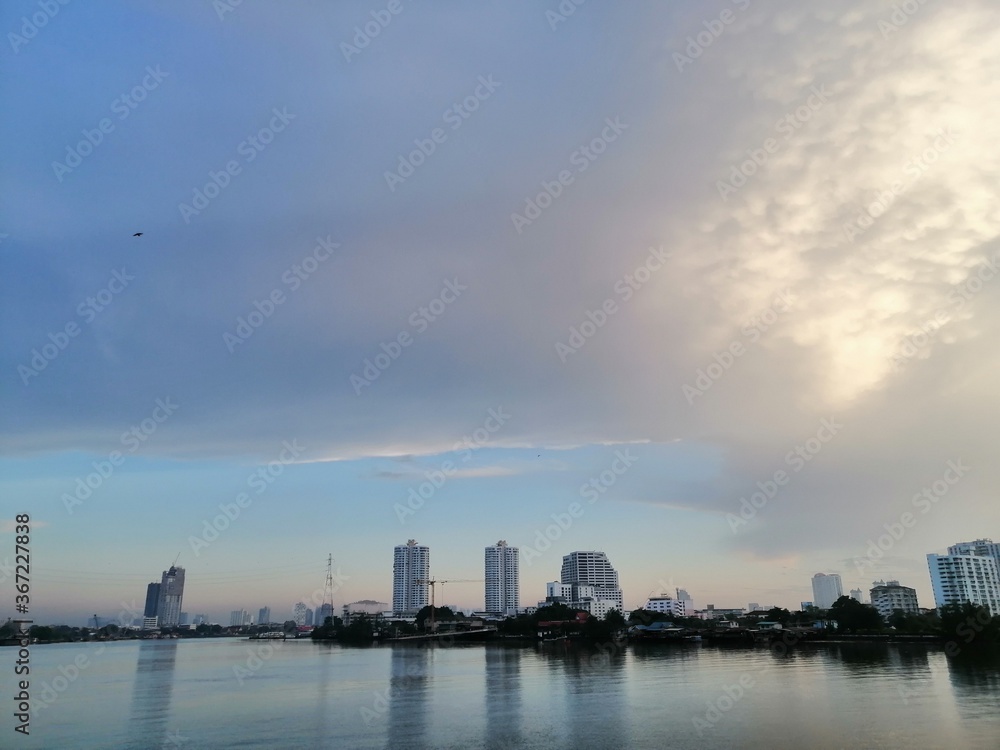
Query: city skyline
(131, 607)
(735, 299)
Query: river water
(226, 693)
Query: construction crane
(432, 582)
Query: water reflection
(975, 680)
(324, 716)
(409, 668)
(594, 687)
(151, 694)
(503, 698)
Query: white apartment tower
(502, 579)
(960, 578)
(171, 592)
(411, 569)
(981, 547)
(593, 569)
(826, 589)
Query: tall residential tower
(502, 579)
(826, 589)
(168, 608)
(411, 569)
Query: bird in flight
(137, 234)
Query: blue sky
(764, 216)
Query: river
(226, 693)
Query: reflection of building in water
(152, 693)
(504, 716)
(408, 696)
(590, 673)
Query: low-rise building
(889, 596)
(667, 605)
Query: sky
(577, 277)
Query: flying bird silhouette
(137, 234)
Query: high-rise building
(502, 579)
(185, 619)
(858, 595)
(411, 569)
(200, 620)
(152, 600)
(981, 547)
(957, 579)
(826, 589)
(239, 618)
(593, 569)
(300, 612)
(888, 596)
(168, 608)
(264, 616)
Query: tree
(440, 613)
(615, 619)
(326, 631)
(359, 631)
(852, 616)
(970, 622)
(777, 614)
(646, 616)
